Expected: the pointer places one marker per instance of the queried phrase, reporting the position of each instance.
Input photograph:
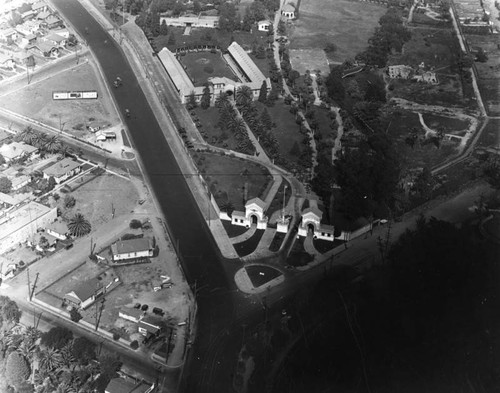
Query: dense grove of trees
(50, 362)
(426, 320)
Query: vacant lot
(35, 101)
(203, 65)
(232, 179)
(347, 24)
(489, 72)
(101, 199)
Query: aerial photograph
(249, 196)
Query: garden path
(262, 250)
(309, 246)
(244, 236)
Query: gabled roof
(52, 19)
(289, 8)
(58, 227)
(45, 46)
(264, 22)
(257, 201)
(149, 324)
(246, 63)
(25, 7)
(43, 15)
(132, 312)
(314, 210)
(38, 5)
(15, 149)
(119, 385)
(60, 168)
(87, 289)
(55, 37)
(131, 245)
(4, 58)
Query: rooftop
(246, 63)
(16, 149)
(174, 69)
(131, 245)
(58, 226)
(19, 218)
(60, 168)
(87, 289)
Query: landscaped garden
(298, 256)
(261, 274)
(232, 181)
(203, 65)
(250, 245)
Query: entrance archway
(253, 219)
(310, 229)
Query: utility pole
(29, 284)
(98, 318)
(34, 286)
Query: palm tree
(39, 140)
(26, 349)
(221, 100)
(53, 144)
(67, 357)
(244, 96)
(238, 127)
(50, 359)
(27, 135)
(79, 226)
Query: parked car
(144, 307)
(158, 311)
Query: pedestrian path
(244, 236)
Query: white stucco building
(124, 250)
(311, 223)
(254, 214)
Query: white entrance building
(311, 222)
(254, 214)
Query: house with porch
(264, 25)
(289, 11)
(55, 39)
(8, 35)
(62, 170)
(254, 214)
(126, 250)
(85, 294)
(58, 229)
(16, 150)
(131, 314)
(311, 223)
(46, 49)
(149, 326)
(28, 41)
(7, 62)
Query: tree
(27, 135)
(135, 224)
(9, 312)
(83, 350)
(57, 337)
(281, 27)
(263, 92)
(79, 226)
(51, 183)
(17, 369)
(228, 18)
(5, 185)
(74, 315)
(244, 96)
(171, 40)
(50, 359)
(295, 150)
(2, 160)
(206, 97)
(265, 119)
(69, 201)
(191, 104)
(330, 48)
(491, 171)
(163, 28)
(72, 40)
(52, 144)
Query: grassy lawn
(233, 230)
(422, 19)
(490, 135)
(211, 131)
(277, 202)
(232, 179)
(286, 131)
(277, 241)
(202, 65)
(249, 245)
(347, 24)
(208, 36)
(35, 101)
(323, 246)
(260, 274)
(451, 125)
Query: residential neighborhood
(249, 196)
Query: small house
(56, 39)
(28, 40)
(53, 21)
(62, 170)
(17, 150)
(58, 229)
(43, 15)
(39, 6)
(130, 249)
(8, 35)
(7, 62)
(254, 214)
(264, 25)
(131, 314)
(47, 49)
(288, 11)
(149, 326)
(86, 293)
(311, 223)
(400, 71)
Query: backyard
(203, 65)
(232, 180)
(323, 21)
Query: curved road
(216, 345)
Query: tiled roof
(60, 168)
(131, 245)
(246, 63)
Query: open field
(101, 199)
(202, 65)
(232, 179)
(347, 24)
(309, 59)
(490, 137)
(35, 101)
(489, 72)
(451, 125)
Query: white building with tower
(253, 214)
(311, 223)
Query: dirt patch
(309, 59)
(35, 101)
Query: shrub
(134, 344)
(69, 201)
(116, 336)
(135, 224)
(75, 315)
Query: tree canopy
(57, 337)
